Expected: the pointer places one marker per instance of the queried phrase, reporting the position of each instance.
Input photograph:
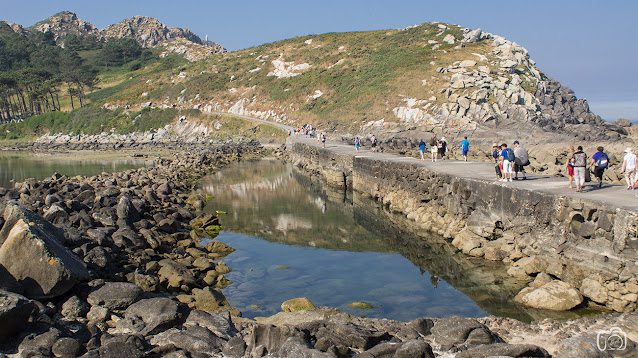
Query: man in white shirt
(629, 165)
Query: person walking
(442, 148)
(357, 143)
(569, 166)
(374, 143)
(629, 165)
(434, 147)
(522, 159)
(580, 164)
(465, 146)
(323, 140)
(422, 149)
(599, 161)
(508, 161)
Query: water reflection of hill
(297, 214)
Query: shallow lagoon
(295, 238)
(17, 166)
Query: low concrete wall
(592, 246)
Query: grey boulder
(115, 295)
(26, 237)
(15, 311)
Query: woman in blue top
(357, 143)
(600, 161)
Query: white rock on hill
(284, 69)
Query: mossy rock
(297, 304)
(361, 305)
(283, 267)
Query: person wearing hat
(442, 147)
(522, 159)
(629, 165)
(495, 154)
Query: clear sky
(587, 45)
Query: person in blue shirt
(422, 149)
(507, 164)
(465, 146)
(600, 161)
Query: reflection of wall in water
(484, 282)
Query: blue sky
(589, 46)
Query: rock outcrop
(65, 23)
(52, 269)
(148, 31)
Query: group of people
(509, 162)
(578, 167)
(373, 143)
(438, 148)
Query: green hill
(430, 77)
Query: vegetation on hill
(388, 80)
(35, 71)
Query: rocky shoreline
(112, 266)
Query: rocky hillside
(431, 77)
(148, 31)
(65, 23)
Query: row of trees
(34, 70)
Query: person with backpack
(374, 143)
(600, 161)
(433, 147)
(580, 164)
(507, 158)
(465, 146)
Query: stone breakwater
(573, 251)
(112, 266)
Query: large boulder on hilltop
(32, 252)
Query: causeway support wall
(590, 245)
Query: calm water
(15, 167)
(295, 238)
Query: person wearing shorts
(580, 164)
(374, 143)
(433, 147)
(507, 165)
(570, 166)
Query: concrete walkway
(613, 195)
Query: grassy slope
(368, 75)
(362, 75)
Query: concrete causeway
(613, 195)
